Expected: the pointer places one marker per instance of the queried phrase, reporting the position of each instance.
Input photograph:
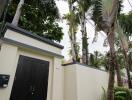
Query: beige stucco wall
(9, 55)
(58, 80)
(90, 82)
(84, 83)
(30, 41)
(70, 83)
(8, 60)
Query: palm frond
(107, 7)
(122, 37)
(109, 11)
(105, 13)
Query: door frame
(41, 57)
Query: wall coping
(84, 65)
(30, 34)
(21, 45)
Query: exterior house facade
(30, 69)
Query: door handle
(32, 89)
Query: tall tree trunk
(72, 37)
(127, 65)
(118, 73)
(3, 4)
(110, 92)
(4, 16)
(84, 39)
(18, 13)
(73, 50)
(130, 61)
(87, 49)
(119, 79)
(127, 69)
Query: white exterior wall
(70, 83)
(84, 83)
(8, 60)
(90, 82)
(58, 80)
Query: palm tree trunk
(130, 61)
(18, 13)
(129, 78)
(72, 39)
(127, 65)
(117, 69)
(110, 92)
(86, 47)
(119, 79)
(73, 50)
(127, 69)
(84, 40)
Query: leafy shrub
(122, 94)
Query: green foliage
(120, 59)
(102, 10)
(38, 16)
(73, 22)
(126, 22)
(84, 5)
(97, 60)
(97, 13)
(122, 94)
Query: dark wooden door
(31, 79)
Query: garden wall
(83, 82)
(17, 42)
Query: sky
(97, 46)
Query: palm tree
(83, 7)
(125, 30)
(125, 46)
(78, 57)
(107, 22)
(72, 19)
